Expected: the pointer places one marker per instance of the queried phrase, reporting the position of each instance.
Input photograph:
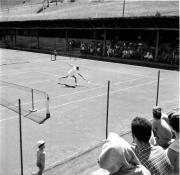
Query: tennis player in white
(74, 72)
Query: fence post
(157, 88)
(20, 134)
(107, 109)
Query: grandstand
(33, 25)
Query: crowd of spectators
(142, 156)
(132, 50)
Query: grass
(86, 9)
(5, 4)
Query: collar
(144, 146)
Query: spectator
(83, 47)
(91, 49)
(124, 53)
(163, 115)
(99, 49)
(40, 156)
(117, 157)
(148, 56)
(154, 158)
(161, 128)
(110, 51)
(173, 150)
(54, 54)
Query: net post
(107, 109)
(20, 134)
(157, 94)
(32, 98)
(47, 108)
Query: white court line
(55, 75)
(12, 118)
(84, 99)
(103, 86)
(91, 89)
(61, 68)
(164, 103)
(121, 72)
(100, 95)
(30, 71)
(100, 87)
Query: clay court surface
(77, 114)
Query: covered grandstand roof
(93, 10)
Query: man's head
(141, 129)
(174, 121)
(77, 67)
(157, 112)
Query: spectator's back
(154, 158)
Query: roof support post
(157, 45)
(104, 45)
(15, 37)
(37, 35)
(67, 45)
(55, 47)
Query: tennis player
(73, 72)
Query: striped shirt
(154, 158)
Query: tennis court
(78, 115)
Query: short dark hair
(77, 67)
(157, 112)
(174, 121)
(141, 128)
(41, 145)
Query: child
(40, 156)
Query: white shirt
(175, 145)
(72, 71)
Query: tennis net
(34, 103)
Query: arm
(81, 76)
(70, 64)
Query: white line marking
(84, 99)
(121, 72)
(100, 95)
(12, 118)
(164, 103)
(82, 91)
